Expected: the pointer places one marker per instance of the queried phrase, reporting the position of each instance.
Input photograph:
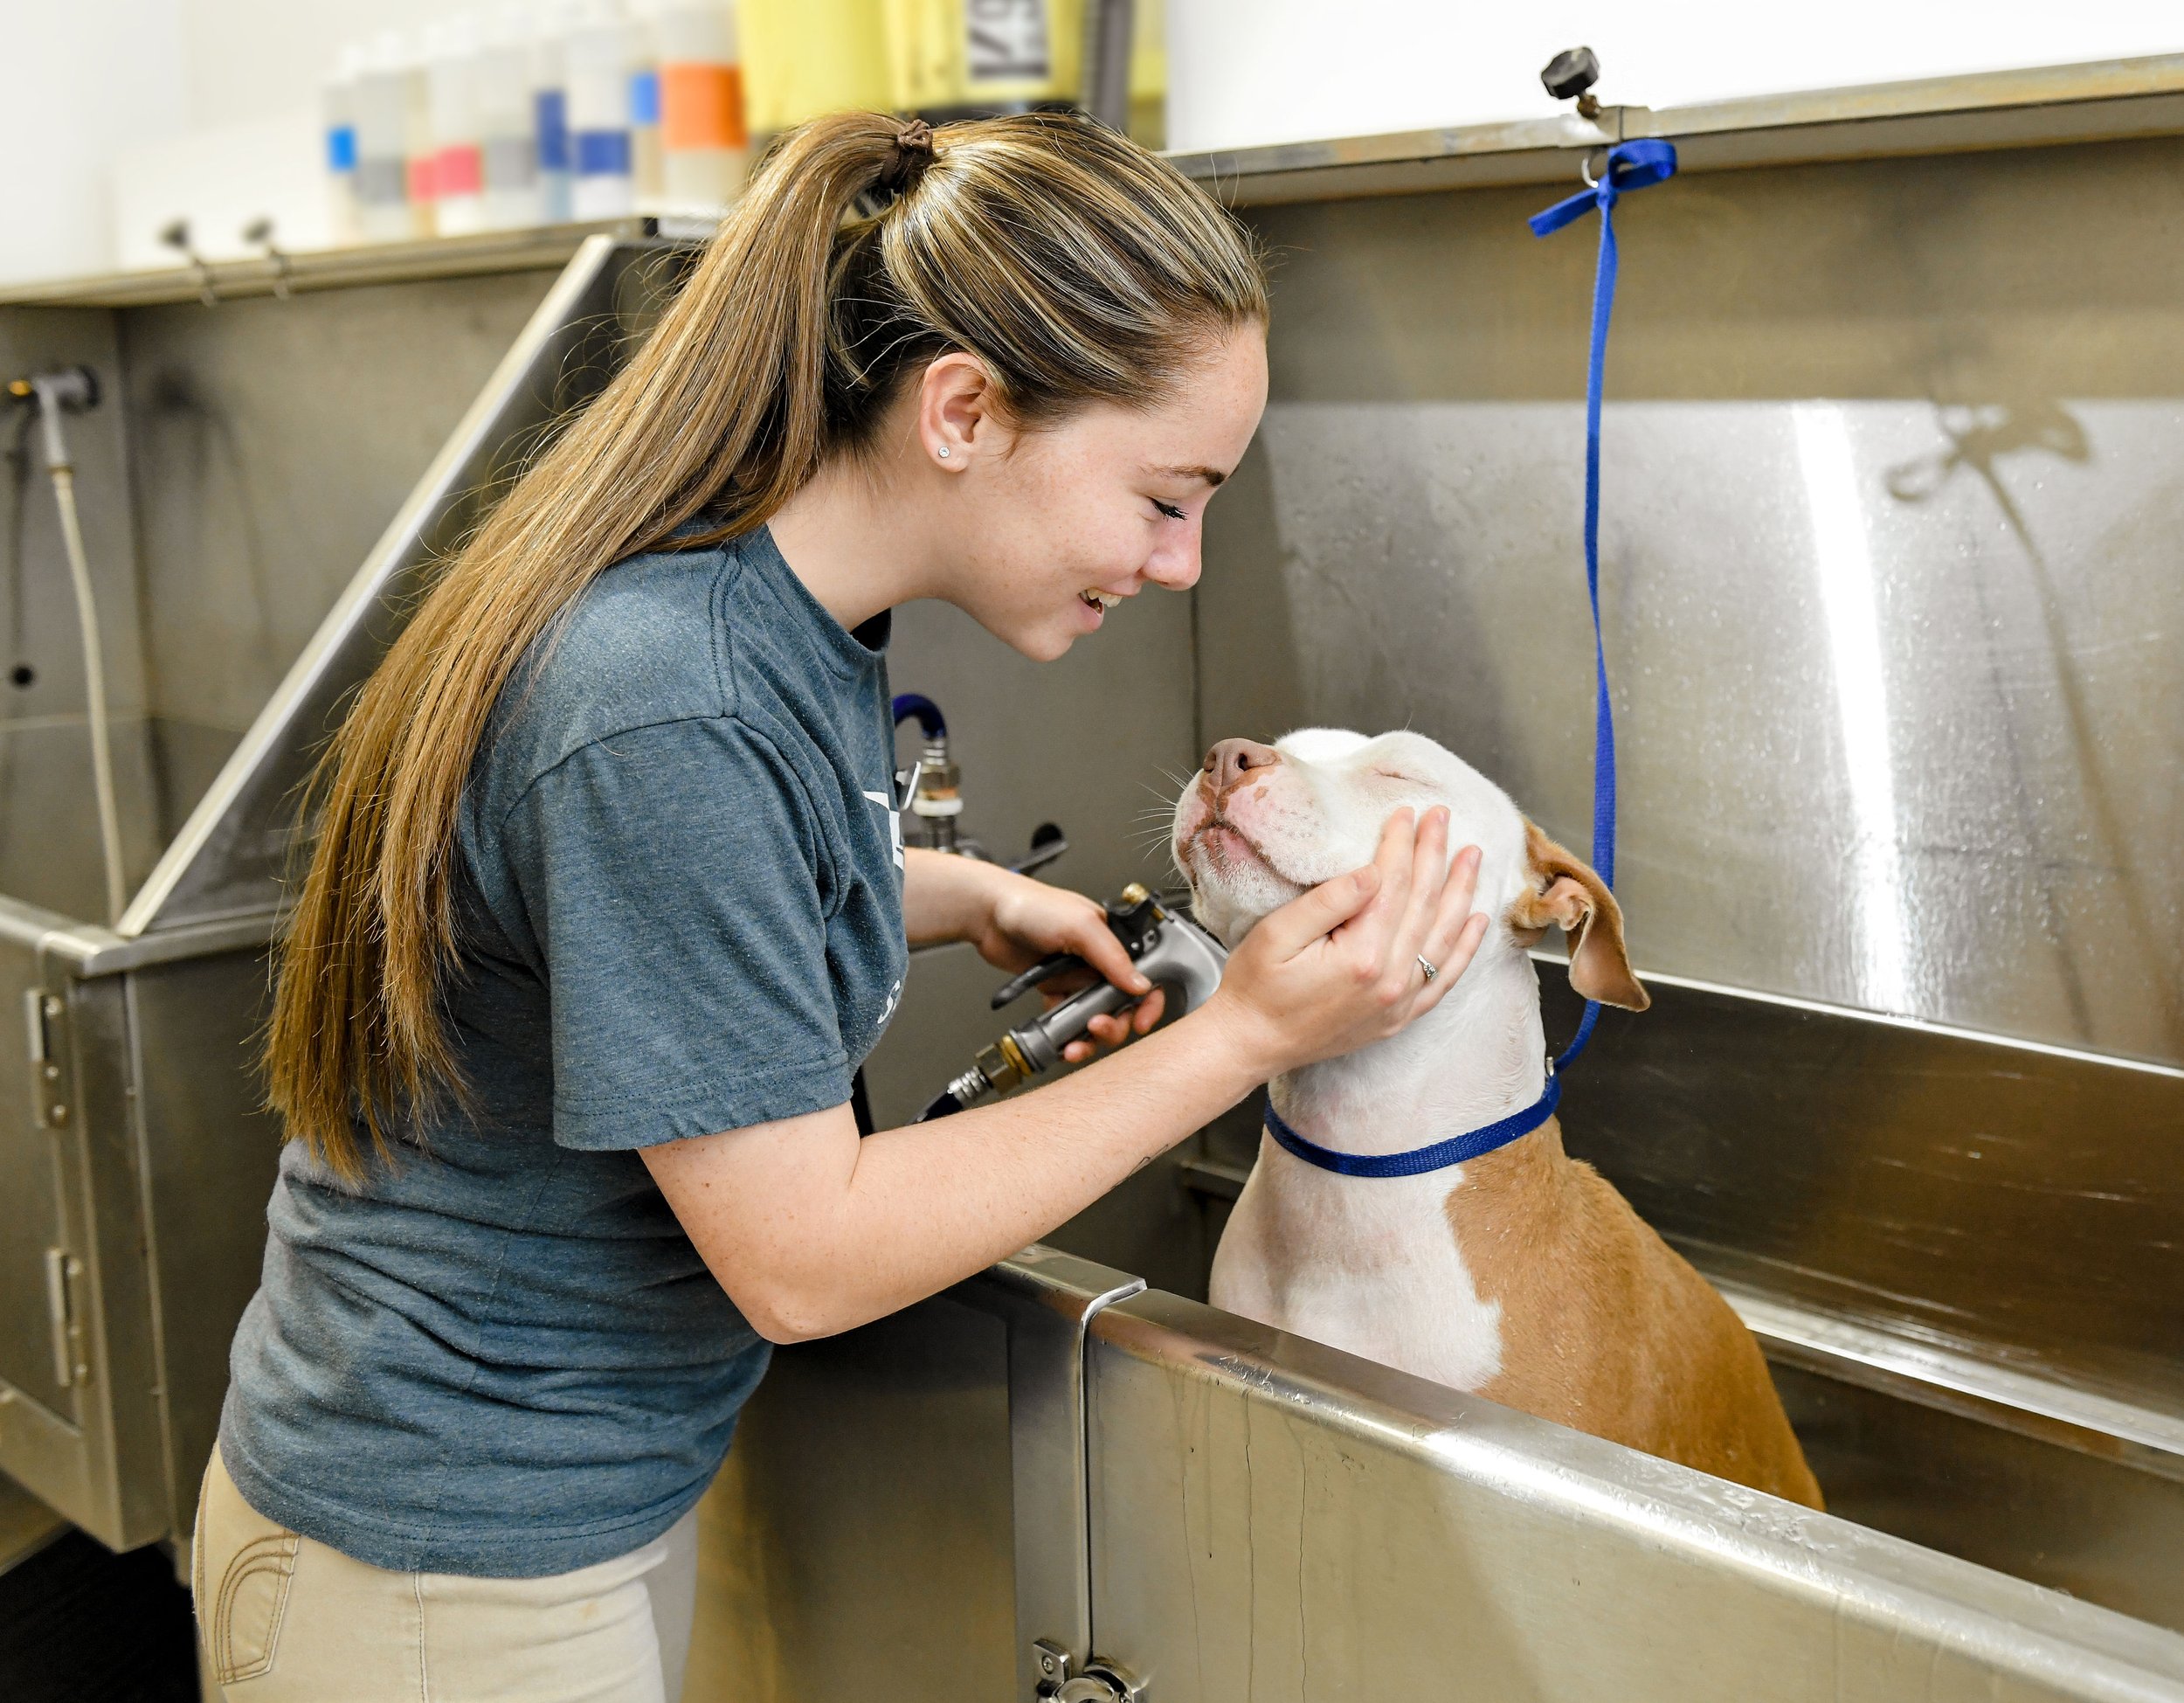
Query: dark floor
(82, 1625)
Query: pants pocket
(253, 1561)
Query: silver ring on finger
(1427, 967)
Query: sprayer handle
(1043, 1038)
(1016, 987)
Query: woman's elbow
(784, 1315)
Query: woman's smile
(1095, 603)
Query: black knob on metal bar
(1571, 73)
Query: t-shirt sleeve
(671, 875)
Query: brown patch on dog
(1606, 1329)
(1568, 894)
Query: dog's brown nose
(1229, 761)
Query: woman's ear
(1564, 891)
(958, 414)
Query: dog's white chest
(1369, 1265)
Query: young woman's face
(1072, 518)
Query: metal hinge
(62, 1271)
(48, 1016)
(1103, 1681)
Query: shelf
(2109, 100)
(535, 249)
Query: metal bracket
(65, 1317)
(1102, 1682)
(1046, 1300)
(47, 1015)
(1053, 1663)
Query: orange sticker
(701, 106)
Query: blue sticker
(551, 108)
(603, 153)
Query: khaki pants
(282, 1617)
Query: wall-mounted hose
(52, 393)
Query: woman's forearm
(909, 1211)
(923, 1222)
(944, 897)
(812, 1231)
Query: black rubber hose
(945, 1105)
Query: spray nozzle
(1170, 950)
(65, 390)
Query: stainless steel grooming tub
(1897, 636)
(1912, 1092)
(239, 448)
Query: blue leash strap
(1472, 1144)
(1631, 165)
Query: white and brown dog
(1523, 1275)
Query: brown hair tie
(913, 152)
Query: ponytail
(1076, 266)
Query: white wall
(94, 84)
(1243, 73)
(258, 59)
(84, 78)
(91, 81)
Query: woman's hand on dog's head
(1337, 968)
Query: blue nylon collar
(1472, 1144)
(1631, 165)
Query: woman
(607, 904)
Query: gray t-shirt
(680, 900)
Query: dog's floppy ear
(1565, 892)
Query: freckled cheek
(1192, 810)
(1092, 540)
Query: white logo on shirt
(895, 824)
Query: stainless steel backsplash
(1894, 478)
(1894, 474)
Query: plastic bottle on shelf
(596, 54)
(549, 109)
(339, 106)
(508, 147)
(458, 170)
(380, 106)
(420, 146)
(644, 102)
(704, 144)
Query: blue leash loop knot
(1631, 165)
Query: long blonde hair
(1076, 266)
